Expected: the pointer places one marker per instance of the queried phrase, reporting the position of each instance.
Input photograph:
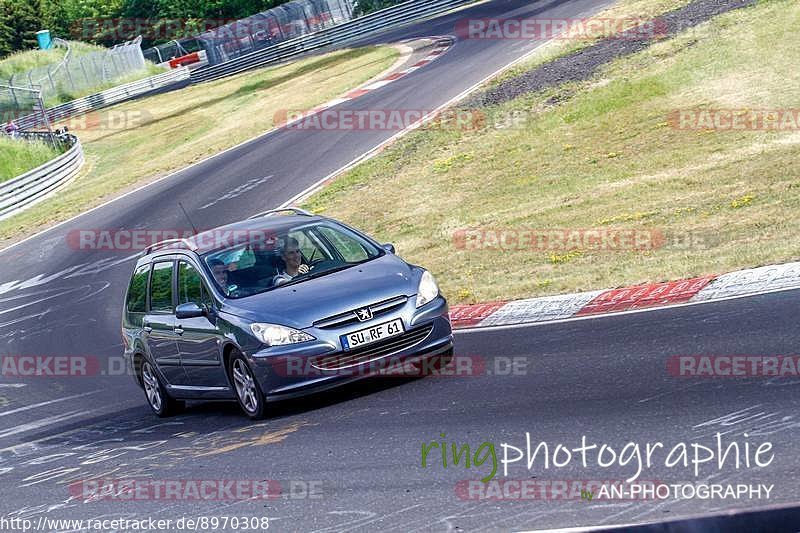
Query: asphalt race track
(350, 460)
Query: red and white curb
(703, 289)
(442, 43)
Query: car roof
(199, 243)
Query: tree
(21, 17)
(6, 33)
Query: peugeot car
(283, 304)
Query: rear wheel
(248, 393)
(159, 401)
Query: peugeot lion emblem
(364, 314)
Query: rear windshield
(292, 256)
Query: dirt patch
(581, 65)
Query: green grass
(605, 156)
(21, 62)
(170, 131)
(29, 59)
(64, 94)
(18, 156)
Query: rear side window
(161, 288)
(137, 290)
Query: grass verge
(137, 142)
(19, 156)
(602, 154)
(21, 62)
(29, 59)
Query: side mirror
(389, 247)
(189, 310)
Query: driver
(293, 260)
(220, 272)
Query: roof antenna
(187, 218)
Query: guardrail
(344, 33)
(103, 99)
(23, 191)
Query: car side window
(137, 290)
(190, 285)
(161, 287)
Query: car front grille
(373, 351)
(350, 317)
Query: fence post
(114, 64)
(85, 74)
(69, 76)
(13, 94)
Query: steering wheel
(326, 263)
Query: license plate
(372, 334)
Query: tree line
(109, 22)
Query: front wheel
(160, 402)
(248, 393)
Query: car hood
(300, 305)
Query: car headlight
(428, 289)
(275, 335)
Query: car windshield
(289, 257)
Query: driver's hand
(302, 269)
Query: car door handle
(178, 330)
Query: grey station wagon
(283, 304)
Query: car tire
(158, 399)
(246, 387)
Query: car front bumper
(289, 372)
